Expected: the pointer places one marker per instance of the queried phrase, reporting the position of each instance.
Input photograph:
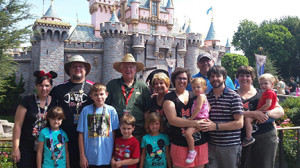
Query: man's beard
(77, 77)
(219, 85)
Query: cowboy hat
(80, 59)
(130, 59)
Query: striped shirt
(223, 109)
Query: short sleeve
(42, 136)
(237, 105)
(143, 145)
(81, 120)
(25, 101)
(229, 83)
(65, 136)
(114, 119)
(167, 140)
(136, 149)
(268, 95)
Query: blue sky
(227, 13)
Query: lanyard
(40, 118)
(129, 95)
(77, 99)
(52, 148)
(94, 119)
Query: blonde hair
(161, 76)
(97, 87)
(268, 77)
(153, 117)
(127, 119)
(200, 81)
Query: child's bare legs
(248, 125)
(189, 137)
(190, 140)
(249, 139)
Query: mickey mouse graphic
(156, 154)
(57, 147)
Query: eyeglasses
(179, 78)
(204, 60)
(78, 66)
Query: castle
(144, 28)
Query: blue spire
(169, 5)
(51, 13)
(211, 35)
(183, 27)
(189, 29)
(114, 17)
(227, 44)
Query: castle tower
(170, 9)
(227, 47)
(135, 13)
(113, 34)
(48, 43)
(193, 50)
(100, 11)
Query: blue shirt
(228, 83)
(58, 145)
(98, 146)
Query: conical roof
(114, 17)
(227, 43)
(169, 4)
(188, 30)
(211, 35)
(51, 13)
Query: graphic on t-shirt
(184, 114)
(102, 127)
(122, 151)
(72, 98)
(57, 147)
(156, 153)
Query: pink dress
(203, 114)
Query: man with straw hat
(128, 95)
(72, 95)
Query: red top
(126, 149)
(269, 94)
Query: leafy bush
(291, 108)
(5, 155)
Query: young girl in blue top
(53, 142)
(155, 145)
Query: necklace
(78, 99)
(55, 158)
(99, 127)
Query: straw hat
(130, 59)
(80, 59)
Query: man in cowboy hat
(128, 95)
(72, 95)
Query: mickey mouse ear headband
(51, 74)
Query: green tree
(231, 62)
(245, 39)
(11, 98)
(12, 12)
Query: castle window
(154, 8)
(153, 28)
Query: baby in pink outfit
(200, 110)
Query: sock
(192, 151)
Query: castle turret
(135, 11)
(48, 43)
(188, 29)
(227, 47)
(170, 9)
(113, 34)
(211, 38)
(193, 44)
(100, 11)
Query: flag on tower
(209, 10)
